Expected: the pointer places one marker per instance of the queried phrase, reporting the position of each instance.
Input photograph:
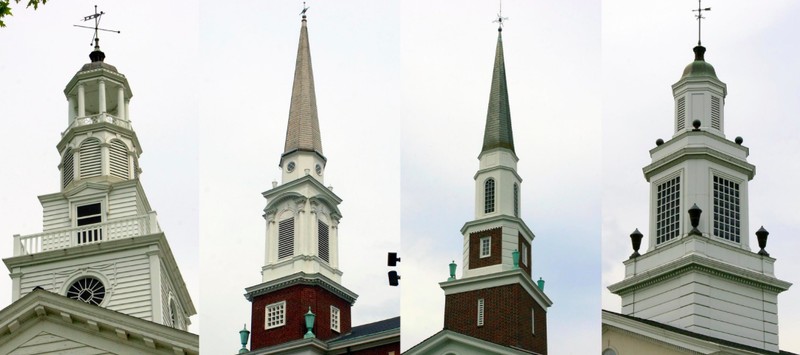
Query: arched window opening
(488, 196)
(67, 168)
(118, 158)
(90, 158)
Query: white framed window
(668, 206)
(480, 311)
(726, 209)
(488, 196)
(524, 254)
(275, 315)
(286, 238)
(533, 321)
(335, 319)
(486, 247)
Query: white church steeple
(699, 272)
(101, 241)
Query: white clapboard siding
(56, 215)
(122, 203)
(129, 269)
(46, 343)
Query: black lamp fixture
(636, 241)
(392, 260)
(762, 235)
(694, 218)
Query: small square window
(486, 247)
(275, 315)
(335, 319)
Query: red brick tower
(496, 300)
(301, 273)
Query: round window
(290, 167)
(87, 289)
(319, 169)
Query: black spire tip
(762, 235)
(699, 53)
(636, 243)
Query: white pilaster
(101, 95)
(121, 102)
(81, 100)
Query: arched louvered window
(118, 158)
(67, 168)
(324, 246)
(286, 238)
(90, 158)
(488, 196)
(516, 200)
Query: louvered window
(715, 113)
(668, 205)
(286, 238)
(68, 167)
(681, 112)
(516, 200)
(90, 158)
(275, 315)
(335, 317)
(480, 312)
(726, 209)
(488, 195)
(118, 157)
(324, 245)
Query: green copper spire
(303, 133)
(498, 132)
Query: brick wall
(507, 317)
(475, 260)
(298, 298)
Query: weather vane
(96, 18)
(305, 8)
(699, 18)
(500, 18)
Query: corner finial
(97, 55)
(500, 18)
(699, 18)
(305, 8)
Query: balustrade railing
(88, 234)
(98, 118)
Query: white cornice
(503, 278)
(300, 278)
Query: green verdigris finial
(309, 324)
(515, 257)
(452, 271)
(243, 335)
(540, 283)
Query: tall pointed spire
(498, 132)
(303, 132)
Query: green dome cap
(699, 67)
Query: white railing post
(17, 245)
(153, 223)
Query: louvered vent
(681, 113)
(324, 245)
(68, 167)
(715, 119)
(118, 155)
(90, 158)
(285, 238)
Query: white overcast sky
(754, 49)
(402, 90)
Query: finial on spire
(500, 18)
(699, 18)
(305, 8)
(96, 55)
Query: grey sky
(754, 50)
